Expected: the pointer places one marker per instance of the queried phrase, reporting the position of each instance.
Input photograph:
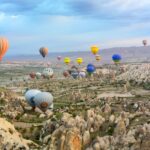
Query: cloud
(65, 25)
(110, 9)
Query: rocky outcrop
(10, 138)
(138, 73)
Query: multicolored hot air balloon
(144, 42)
(75, 74)
(32, 75)
(29, 96)
(116, 58)
(67, 60)
(90, 68)
(43, 51)
(59, 58)
(48, 73)
(98, 57)
(79, 60)
(3, 47)
(43, 100)
(94, 49)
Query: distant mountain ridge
(129, 54)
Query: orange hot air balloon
(94, 49)
(3, 47)
(43, 51)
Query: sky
(73, 25)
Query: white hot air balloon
(29, 96)
(43, 100)
(38, 75)
(48, 72)
(82, 74)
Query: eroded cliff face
(10, 138)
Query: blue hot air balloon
(90, 68)
(29, 96)
(116, 58)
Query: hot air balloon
(59, 58)
(94, 49)
(75, 74)
(29, 96)
(66, 74)
(38, 75)
(43, 51)
(32, 75)
(90, 68)
(79, 61)
(98, 57)
(82, 74)
(116, 58)
(3, 47)
(74, 68)
(48, 73)
(67, 60)
(144, 42)
(43, 100)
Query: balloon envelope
(144, 42)
(79, 60)
(116, 58)
(59, 57)
(48, 72)
(32, 75)
(82, 74)
(67, 60)
(29, 96)
(43, 51)
(43, 100)
(66, 74)
(90, 68)
(3, 47)
(98, 57)
(38, 75)
(94, 49)
(75, 75)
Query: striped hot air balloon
(43, 51)
(98, 57)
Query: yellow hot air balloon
(3, 47)
(67, 60)
(79, 60)
(98, 57)
(94, 49)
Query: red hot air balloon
(66, 74)
(3, 47)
